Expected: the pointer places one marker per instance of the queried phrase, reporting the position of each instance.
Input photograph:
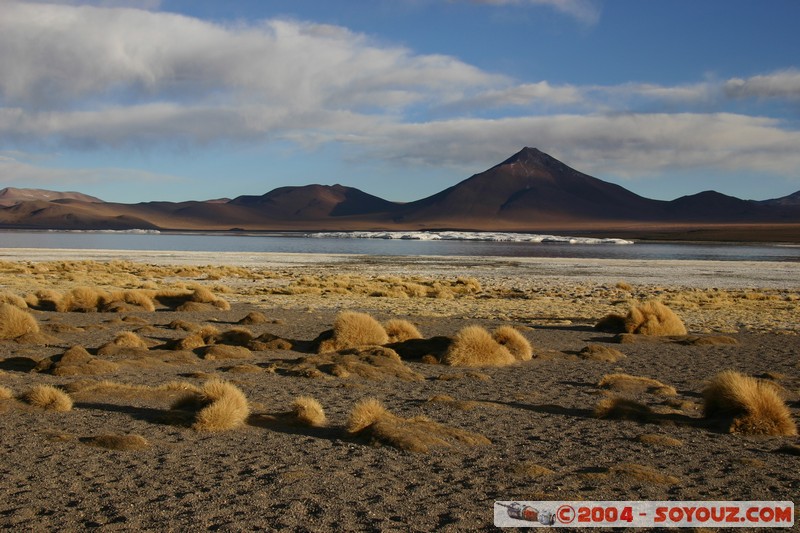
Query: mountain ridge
(529, 191)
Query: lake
(452, 244)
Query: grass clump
(76, 361)
(750, 406)
(617, 408)
(49, 398)
(217, 406)
(13, 299)
(351, 330)
(401, 330)
(376, 363)
(308, 412)
(474, 346)
(644, 318)
(598, 352)
(514, 342)
(14, 322)
(643, 473)
(628, 383)
(370, 420)
(6, 393)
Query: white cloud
(622, 145)
(87, 77)
(783, 84)
(585, 11)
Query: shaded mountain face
(12, 195)
(315, 201)
(532, 186)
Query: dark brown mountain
(313, 202)
(530, 191)
(527, 189)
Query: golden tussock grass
(308, 412)
(370, 420)
(13, 299)
(752, 406)
(628, 383)
(14, 322)
(76, 361)
(254, 317)
(6, 393)
(474, 346)
(218, 406)
(659, 440)
(624, 286)
(125, 341)
(352, 329)
(514, 342)
(189, 342)
(598, 352)
(224, 351)
(399, 330)
(268, 341)
(532, 470)
(83, 300)
(183, 325)
(644, 318)
(233, 337)
(115, 388)
(376, 363)
(48, 397)
(616, 408)
(118, 442)
(196, 298)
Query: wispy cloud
(783, 84)
(585, 11)
(87, 77)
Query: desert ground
(412, 437)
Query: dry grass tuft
(616, 408)
(268, 341)
(123, 342)
(514, 342)
(752, 406)
(233, 337)
(254, 317)
(369, 419)
(645, 318)
(474, 346)
(653, 318)
(401, 330)
(75, 361)
(82, 300)
(532, 470)
(628, 383)
(659, 440)
(13, 299)
(376, 363)
(48, 397)
(183, 325)
(308, 412)
(598, 352)
(6, 393)
(218, 406)
(14, 322)
(224, 351)
(351, 330)
(118, 442)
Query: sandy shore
(544, 441)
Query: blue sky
(137, 100)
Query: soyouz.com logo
(750, 514)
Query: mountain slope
(12, 196)
(528, 188)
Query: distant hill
(530, 191)
(11, 196)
